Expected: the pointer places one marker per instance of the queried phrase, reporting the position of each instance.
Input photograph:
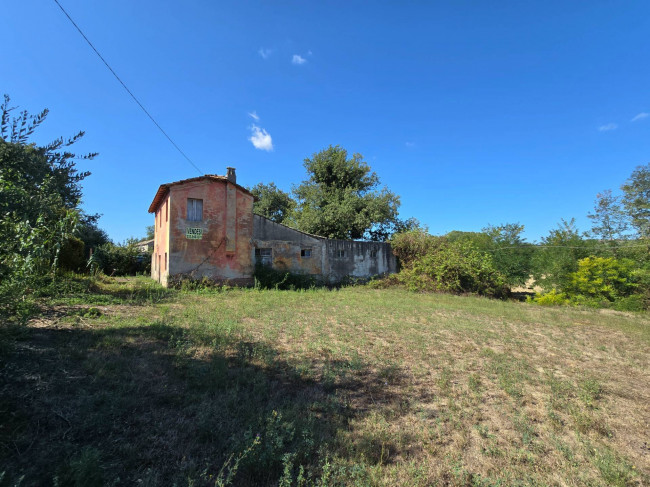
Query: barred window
(194, 210)
(340, 253)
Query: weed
(590, 392)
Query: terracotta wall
(160, 256)
(223, 251)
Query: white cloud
(410, 144)
(254, 115)
(264, 52)
(607, 127)
(640, 116)
(298, 59)
(260, 138)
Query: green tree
(558, 255)
(636, 199)
(91, 235)
(40, 193)
(511, 254)
(610, 221)
(272, 202)
(342, 199)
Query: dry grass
(357, 386)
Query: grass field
(130, 384)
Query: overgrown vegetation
(439, 264)
(40, 195)
(121, 382)
(607, 267)
(43, 230)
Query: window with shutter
(194, 210)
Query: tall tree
(636, 199)
(610, 222)
(273, 203)
(511, 254)
(40, 194)
(342, 199)
(558, 255)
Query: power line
(126, 88)
(543, 247)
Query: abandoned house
(205, 227)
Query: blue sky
(475, 113)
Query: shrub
(436, 264)
(119, 260)
(412, 245)
(602, 278)
(71, 256)
(268, 278)
(551, 298)
(635, 302)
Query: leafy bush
(119, 260)
(600, 282)
(438, 264)
(268, 278)
(72, 255)
(604, 278)
(635, 302)
(551, 298)
(511, 255)
(410, 246)
(40, 194)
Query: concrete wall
(223, 253)
(331, 260)
(359, 259)
(286, 244)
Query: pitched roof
(164, 188)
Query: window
(165, 260)
(305, 253)
(373, 253)
(167, 210)
(263, 256)
(194, 210)
(340, 253)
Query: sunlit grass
(355, 386)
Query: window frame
(306, 253)
(264, 255)
(192, 210)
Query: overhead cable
(126, 88)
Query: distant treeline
(607, 266)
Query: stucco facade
(205, 227)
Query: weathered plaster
(231, 233)
(222, 254)
(360, 259)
